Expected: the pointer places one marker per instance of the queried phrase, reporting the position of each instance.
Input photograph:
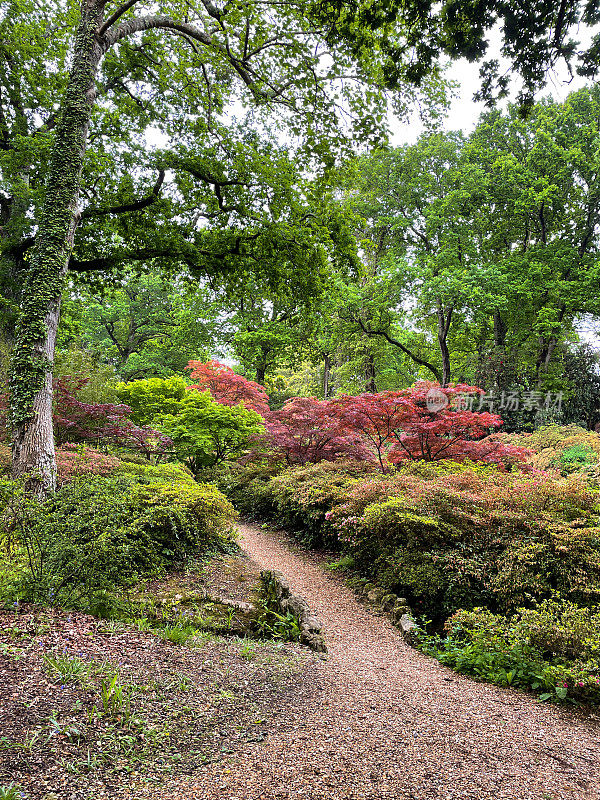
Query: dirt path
(387, 722)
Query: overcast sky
(464, 111)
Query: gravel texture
(384, 721)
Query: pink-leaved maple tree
(227, 387)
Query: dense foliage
(102, 531)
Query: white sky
(464, 112)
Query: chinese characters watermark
(495, 401)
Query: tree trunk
(546, 350)
(444, 320)
(35, 337)
(370, 385)
(500, 330)
(326, 375)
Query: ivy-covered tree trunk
(35, 336)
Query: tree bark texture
(35, 337)
(444, 320)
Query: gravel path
(388, 722)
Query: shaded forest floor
(238, 719)
(92, 708)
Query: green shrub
(98, 533)
(248, 487)
(568, 448)
(302, 496)
(552, 650)
(464, 536)
(145, 472)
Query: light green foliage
(207, 433)
(11, 792)
(204, 432)
(73, 361)
(179, 633)
(491, 236)
(156, 472)
(70, 669)
(197, 508)
(152, 398)
(116, 698)
(148, 326)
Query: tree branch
(136, 205)
(434, 370)
(116, 16)
(188, 31)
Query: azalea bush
(72, 461)
(552, 649)
(77, 460)
(566, 448)
(449, 535)
(302, 496)
(98, 533)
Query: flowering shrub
(449, 535)
(302, 496)
(72, 461)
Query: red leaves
(307, 430)
(227, 387)
(106, 423)
(425, 422)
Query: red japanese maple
(375, 419)
(426, 422)
(439, 427)
(307, 430)
(107, 423)
(227, 387)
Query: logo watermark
(493, 401)
(510, 401)
(436, 400)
